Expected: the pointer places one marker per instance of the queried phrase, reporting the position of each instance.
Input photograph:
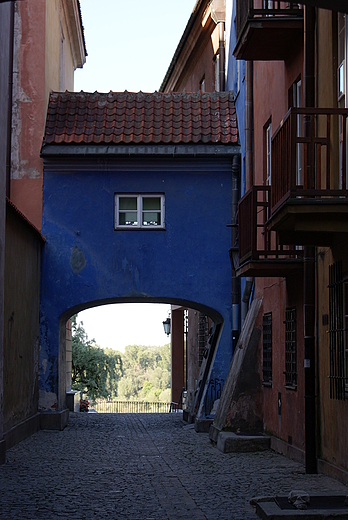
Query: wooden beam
(332, 5)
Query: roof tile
(126, 118)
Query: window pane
(151, 218)
(127, 203)
(151, 203)
(128, 218)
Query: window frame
(139, 210)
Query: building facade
(41, 44)
(292, 219)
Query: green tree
(94, 371)
(146, 373)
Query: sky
(130, 44)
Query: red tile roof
(138, 118)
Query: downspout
(309, 259)
(235, 280)
(9, 106)
(249, 178)
(218, 14)
(222, 56)
(249, 95)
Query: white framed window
(139, 211)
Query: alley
(141, 467)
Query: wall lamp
(166, 326)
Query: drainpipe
(9, 107)
(218, 14)
(249, 177)
(222, 56)
(309, 261)
(235, 280)
(249, 72)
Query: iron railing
(250, 9)
(114, 406)
(309, 155)
(256, 241)
(337, 333)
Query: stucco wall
(272, 81)
(86, 261)
(21, 330)
(279, 294)
(333, 414)
(38, 69)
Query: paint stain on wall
(77, 260)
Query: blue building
(136, 208)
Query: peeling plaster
(47, 400)
(18, 169)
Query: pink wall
(29, 111)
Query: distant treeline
(139, 373)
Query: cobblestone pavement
(141, 467)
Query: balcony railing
(309, 155)
(256, 242)
(251, 9)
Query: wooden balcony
(268, 30)
(260, 253)
(309, 199)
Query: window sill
(291, 387)
(139, 228)
(267, 384)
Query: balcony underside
(266, 39)
(310, 221)
(264, 268)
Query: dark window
(267, 348)
(338, 322)
(290, 348)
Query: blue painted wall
(86, 261)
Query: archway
(185, 366)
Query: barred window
(290, 348)
(338, 323)
(267, 348)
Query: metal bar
(328, 150)
(344, 153)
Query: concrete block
(202, 425)
(229, 442)
(73, 401)
(54, 420)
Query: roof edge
(188, 150)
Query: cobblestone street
(141, 467)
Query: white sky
(130, 44)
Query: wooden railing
(256, 242)
(249, 9)
(309, 155)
